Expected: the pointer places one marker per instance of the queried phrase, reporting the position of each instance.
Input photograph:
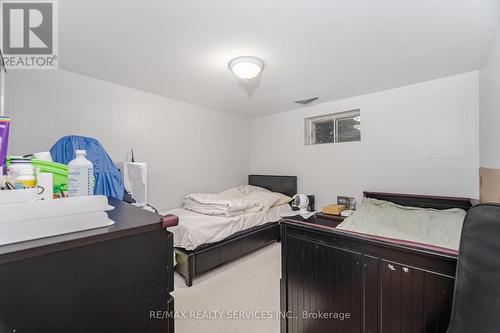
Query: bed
(199, 258)
(384, 284)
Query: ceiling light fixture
(246, 68)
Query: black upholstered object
(282, 184)
(476, 301)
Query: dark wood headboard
(282, 184)
(423, 201)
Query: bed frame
(208, 256)
(384, 286)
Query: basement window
(334, 127)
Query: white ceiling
(327, 48)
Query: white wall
(489, 115)
(416, 139)
(188, 148)
(421, 138)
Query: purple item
(4, 140)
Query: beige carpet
(243, 288)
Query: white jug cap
(80, 152)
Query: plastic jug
(80, 176)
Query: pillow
(265, 199)
(232, 193)
(283, 199)
(247, 189)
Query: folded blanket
(228, 209)
(219, 202)
(231, 202)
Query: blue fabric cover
(107, 178)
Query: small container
(25, 179)
(45, 184)
(16, 164)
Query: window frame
(310, 135)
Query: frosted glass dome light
(246, 68)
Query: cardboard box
(489, 185)
(334, 209)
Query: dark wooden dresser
(115, 279)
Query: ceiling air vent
(306, 101)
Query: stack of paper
(32, 220)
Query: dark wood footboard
(200, 260)
(336, 282)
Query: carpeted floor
(245, 288)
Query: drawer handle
(406, 270)
(391, 267)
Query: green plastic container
(60, 172)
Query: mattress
(195, 229)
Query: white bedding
(427, 226)
(232, 202)
(195, 229)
